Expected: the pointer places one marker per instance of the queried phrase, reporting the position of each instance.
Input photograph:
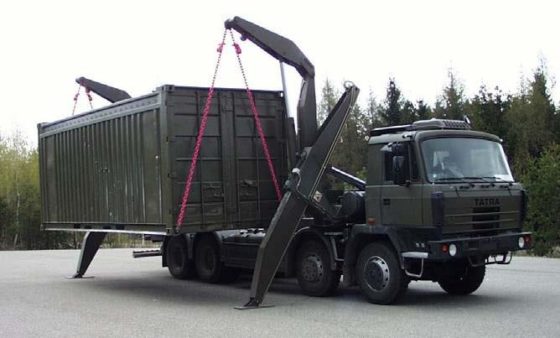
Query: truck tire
(178, 262)
(208, 264)
(379, 274)
(465, 283)
(313, 270)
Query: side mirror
(398, 149)
(399, 174)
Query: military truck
(439, 202)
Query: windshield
(465, 159)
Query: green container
(123, 167)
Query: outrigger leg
(90, 245)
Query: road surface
(138, 298)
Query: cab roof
(427, 129)
(423, 125)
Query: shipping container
(123, 167)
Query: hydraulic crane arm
(285, 50)
(109, 93)
(302, 188)
(347, 178)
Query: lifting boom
(287, 51)
(109, 93)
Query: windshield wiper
(468, 178)
(482, 178)
(486, 179)
(444, 179)
(489, 179)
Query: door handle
(386, 201)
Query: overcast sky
(139, 45)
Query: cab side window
(410, 164)
(388, 166)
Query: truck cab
(445, 196)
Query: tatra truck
(438, 202)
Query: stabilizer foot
(252, 304)
(79, 276)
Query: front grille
(486, 218)
(480, 220)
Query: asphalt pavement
(138, 298)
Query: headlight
(452, 249)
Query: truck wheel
(208, 264)
(465, 283)
(178, 263)
(379, 274)
(313, 270)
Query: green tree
(350, 148)
(488, 110)
(408, 113)
(451, 103)
(423, 111)
(5, 220)
(20, 199)
(542, 181)
(542, 107)
(350, 151)
(329, 97)
(397, 110)
(372, 111)
(391, 111)
(532, 121)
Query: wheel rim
(312, 269)
(376, 273)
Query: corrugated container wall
(123, 167)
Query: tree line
(528, 121)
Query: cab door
(401, 205)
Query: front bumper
(477, 246)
